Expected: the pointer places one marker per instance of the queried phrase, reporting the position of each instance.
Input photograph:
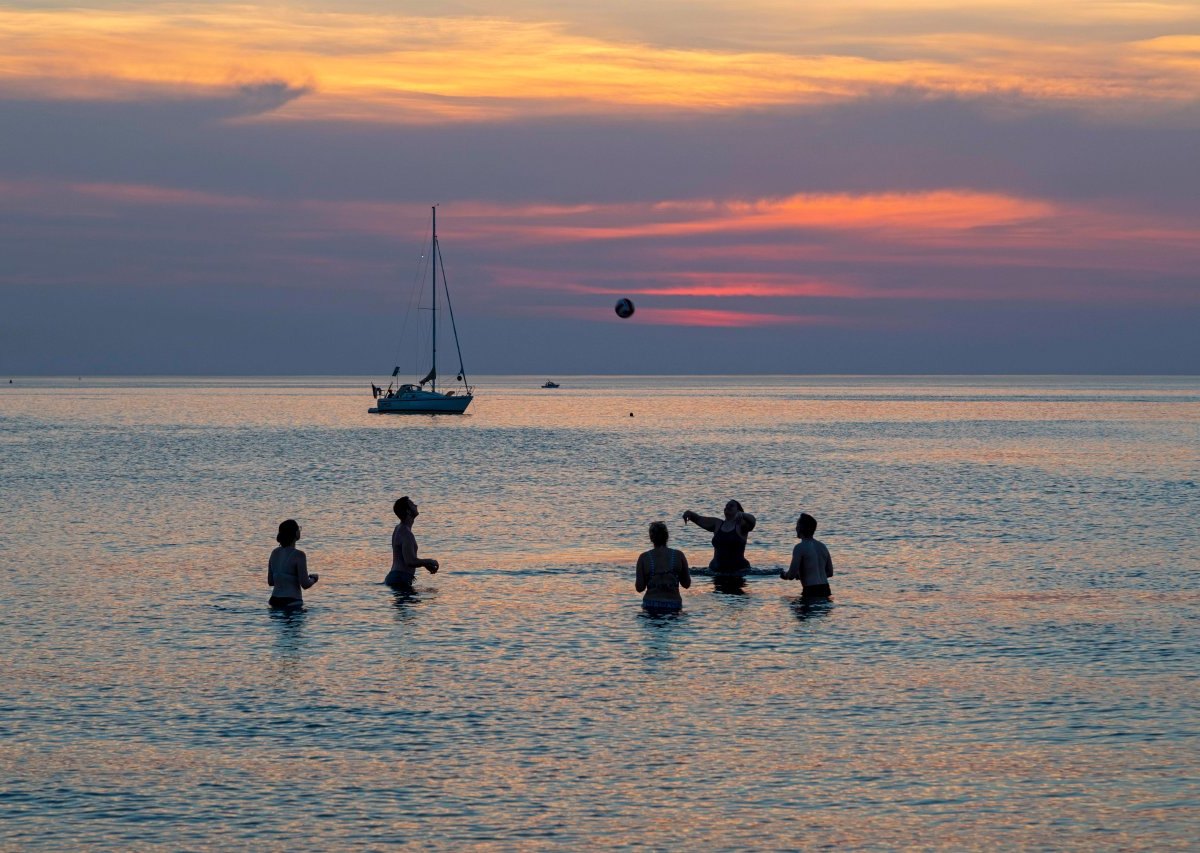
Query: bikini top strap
(672, 565)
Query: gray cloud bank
(213, 288)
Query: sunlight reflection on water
(1009, 658)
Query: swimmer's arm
(639, 582)
(270, 574)
(828, 563)
(685, 575)
(707, 522)
(306, 580)
(793, 571)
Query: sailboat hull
(422, 403)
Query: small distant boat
(410, 399)
(549, 384)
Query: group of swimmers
(660, 573)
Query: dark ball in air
(624, 308)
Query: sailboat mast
(433, 281)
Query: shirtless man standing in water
(405, 561)
(811, 563)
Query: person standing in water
(729, 537)
(661, 571)
(287, 570)
(404, 547)
(811, 563)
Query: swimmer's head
(405, 508)
(289, 533)
(659, 534)
(732, 508)
(806, 525)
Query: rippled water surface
(1009, 659)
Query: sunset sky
(866, 186)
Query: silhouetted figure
(811, 563)
(661, 571)
(404, 547)
(287, 570)
(729, 537)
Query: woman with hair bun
(661, 571)
(404, 547)
(729, 537)
(287, 570)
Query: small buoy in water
(624, 308)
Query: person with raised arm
(404, 547)
(660, 573)
(811, 563)
(287, 570)
(729, 537)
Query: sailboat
(416, 399)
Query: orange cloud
(907, 213)
(406, 67)
(721, 285)
(705, 317)
(946, 227)
(145, 194)
(717, 318)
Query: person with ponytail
(404, 547)
(287, 570)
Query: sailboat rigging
(416, 399)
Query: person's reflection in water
(660, 627)
(729, 584)
(289, 641)
(805, 607)
(404, 599)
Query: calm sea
(1010, 658)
